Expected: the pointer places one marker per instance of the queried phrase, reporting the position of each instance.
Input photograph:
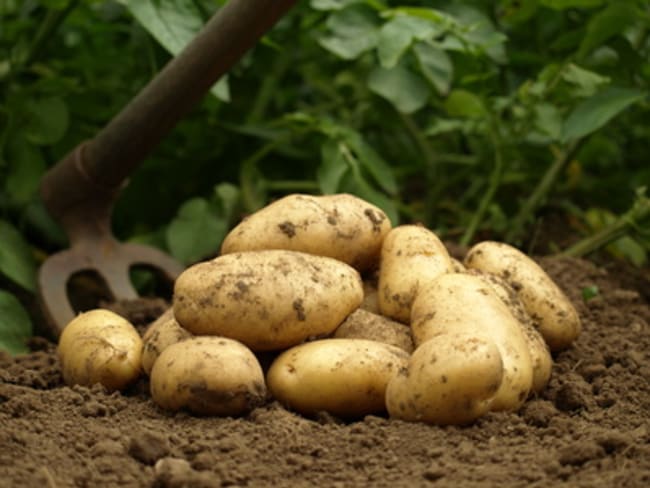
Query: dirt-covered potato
(163, 332)
(410, 256)
(345, 377)
(540, 355)
(450, 379)
(339, 226)
(268, 300)
(457, 302)
(362, 324)
(208, 376)
(551, 311)
(100, 346)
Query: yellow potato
(540, 354)
(462, 303)
(208, 376)
(341, 226)
(99, 346)
(410, 256)
(268, 300)
(450, 379)
(551, 311)
(162, 333)
(345, 377)
(362, 324)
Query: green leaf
(461, 103)
(332, 4)
(435, 65)
(397, 34)
(47, 120)
(15, 324)
(593, 113)
(566, 4)
(173, 23)
(607, 23)
(354, 31)
(587, 81)
(406, 90)
(332, 168)
(228, 198)
(589, 292)
(196, 232)
(16, 259)
(548, 120)
(26, 166)
(372, 162)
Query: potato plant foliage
(471, 117)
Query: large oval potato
(340, 226)
(462, 303)
(162, 333)
(208, 376)
(410, 256)
(540, 355)
(450, 379)
(551, 311)
(345, 377)
(362, 324)
(267, 300)
(100, 346)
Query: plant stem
(542, 190)
(53, 19)
(268, 89)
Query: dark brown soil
(590, 428)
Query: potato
(370, 296)
(345, 377)
(458, 302)
(449, 379)
(551, 311)
(410, 256)
(208, 376)
(99, 346)
(457, 266)
(268, 300)
(362, 324)
(163, 332)
(341, 226)
(540, 355)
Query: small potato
(345, 377)
(551, 311)
(100, 346)
(449, 380)
(208, 376)
(362, 324)
(340, 226)
(462, 303)
(410, 256)
(162, 333)
(268, 300)
(539, 352)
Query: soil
(590, 427)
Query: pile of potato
(364, 319)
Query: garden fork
(80, 190)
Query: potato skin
(340, 226)
(458, 302)
(100, 346)
(345, 377)
(268, 300)
(449, 380)
(208, 376)
(162, 333)
(551, 311)
(410, 256)
(362, 324)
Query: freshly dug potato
(450, 379)
(208, 376)
(410, 256)
(457, 302)
(100, 346)
(339, 226)
(362, 324)
(345, 377)
(540, 355)
(163, 332)
(268, 300)
(551, 311)
(457, 266)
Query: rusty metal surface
(81, 189)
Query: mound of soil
(590, 427)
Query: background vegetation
(478, 119)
